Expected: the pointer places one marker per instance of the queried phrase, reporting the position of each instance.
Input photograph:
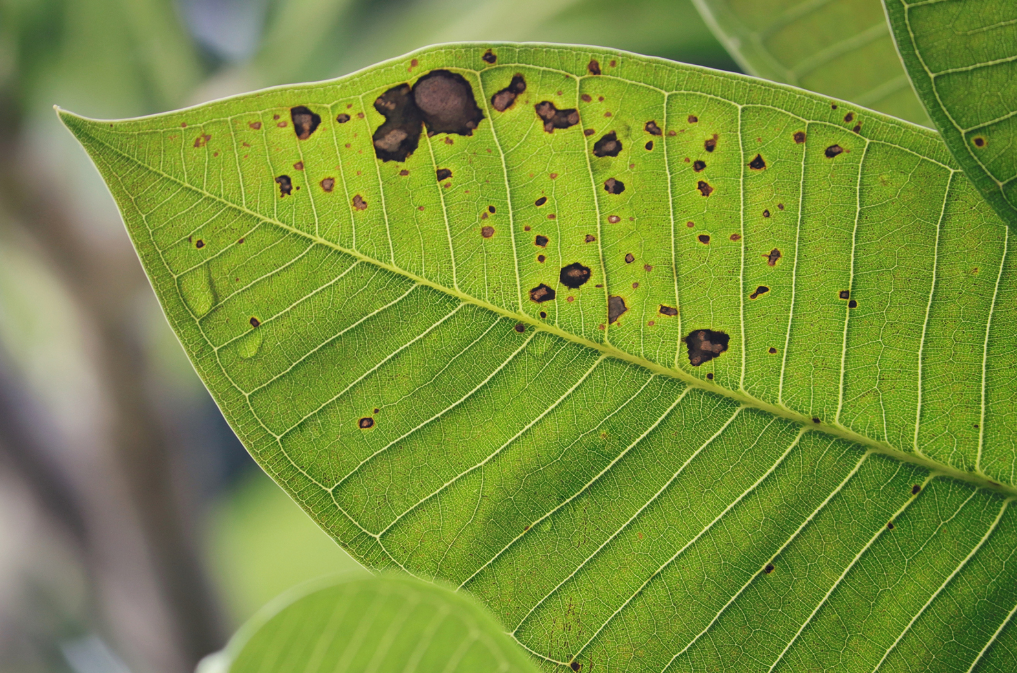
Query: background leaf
(373, 334)
(841, 48)
(386, 624)
(962, 57)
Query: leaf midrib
(740, 396)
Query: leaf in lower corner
(657, 403)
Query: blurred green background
(135, 532)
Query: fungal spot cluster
(614, 186)
(554, 118)
(441, 101)
(705, 344)
(504, 99)
(305, 122)
(607, 146)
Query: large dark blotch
(285, 185)
(445, 100)
(555, 118)
(574, 275)
(615, 308)
(305, 122)
(504, 99)
(398, 137)
(541, 293)
(613, 186)
(705, 344)
(608, 146)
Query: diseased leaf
(736, 395)
(386, 624)
(962, 57)
(842, 49)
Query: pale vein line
(444, 212)
(501, 448)
(381, 189)
(963, 563)
(596, 209)
(592, 481)
(851, 282)
(928, 311)
(794, 272)
(744, 243)
(992, 640)
(850, 565)
(674, 251)
(985, 351)
(701, 533)
(775, 555)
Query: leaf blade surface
(577, 472)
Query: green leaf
(962, 57)
(386, 624)
(373, 337)
(842, 49)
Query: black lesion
(607, 146)
(705, 344)
(305, 122)
(554, 118)
(504, 99)
(574, 275)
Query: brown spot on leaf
(445, 100)
(757, 164)
(541, 293)
(540, 241)
(849, 117)
(359, 203)
(705, 344)
(698, 166)
(554, 118)
(979, 141)
(504, 99)
(833, 150)
(489, 57)
(736, 237)
(607, 146)
(711, 143)
(704, 188)
(857, 128)
(613, 186)
(520, 327)
(844, 294)
(397, 138)
(772, 350)
(613, 219)
(199, 244)
(342, 118)
(285, 185)
(629, 258)
(649, 145)
(299, 166)
(652, 128)
(693, 119)
(668, 310)
(704, 239)
(202, 140)
(593, 67)
(575, 665)
(766, 213)
(916, 489)
(852, 304)
(541, 259)
(762, 289)
(590, 238)
(586, 98)
(305, 122)
(443, 174)
(487, 232)
(255, 125)
(254, 322)
(889, 525)
(768, 569)
(541, 201)
(799, 137)
(816, 420)
(772, 257)
(574, 275)
(615, 308)
(365, 423)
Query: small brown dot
(541, 201)
(365, 423)
(852, 304)
(404, 173)
(833, 106)
(570, 299)
(376, 410)
(647, 268)
(199, 244)
(593, 67)
(690, 224)
(844, 294)
(586, 98)
(773, 350)
(588, 132)
(650, 323)
(799, 137)
(613, 64)
(487, 232)
(343, 118)
(489, 57)
(889, 525)
(543, 314)
(849, 117)
(916, 489)
(736, 237)
(299, 166)
(541, 259)
(710, 376)
(613, 219)
(768, 569)
(590, 238)
(255, 322)
(693, 119)
(575, 665)
(780, 206)
(816, 420)
(553, 176)
(979, 141)
(551, 216)
(698, 166)
(635, 286)
(648, 145)
(526, 228)
(491, 209)
(766, 213)
(704, 239)
(520, 327)
(857, 128)
(629, 258)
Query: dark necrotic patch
(978, 140)
(504, 99)
(698, 166)
(254, 322)
(575, 665)
(365, 423)
(590, 238)
(799, 137)
(613, 186)
(359, 203)
(668, 310)
(889, 525)
(489, 57)
(554, 118)
(199, 244)
(541, 293)
(285, 185)
(652, 128)
(704, 239)
(766, 213)
(629, 258)
(648, 145)
(607, 146)
(540, 241)
(520, 327)
(705, 344)
(849, 117)
(615, 308)
(704, 188)
(541, 201)
(844, 294)
(443, 174)
(305, 122)
(916, 489)
(445, 100)
(593, 67)
(491, 209)
(762, 289)
(397, 138)
(772, 257)
(343, 118)
(852, 304)
(711, 143)
(541, 258)
(574, 275)
(772, 350)
(833, 150)
(757, 164)
(487, 232)
(768, 569)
